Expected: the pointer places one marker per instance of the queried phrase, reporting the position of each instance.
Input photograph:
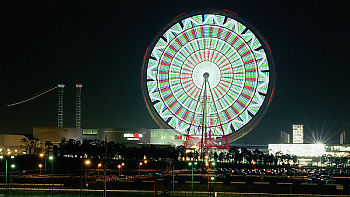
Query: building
(128, 136)
(298, 134)
(285, 138)
(11, 144)
(300, 150)
(166, 137)
(251, 147)
(55, 135)
(344, 138)
(124, 136)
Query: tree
(31, 145)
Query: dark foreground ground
(136, 193)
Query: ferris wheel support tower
(207, 137)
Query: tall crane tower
(60, 105)
(78, 106)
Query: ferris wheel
(209, 76)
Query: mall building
(306, 152)
(126, 136)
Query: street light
(140, 164)
(145, 164)
(42, 156)
(119, 166)
(40, 166)
(87, 163)
(51, 160)
(192, 164)
(5, 157)
(207, 164)
(99, 165)
(123, 164)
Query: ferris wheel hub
(206, 75)
(198, 74)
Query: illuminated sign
(133, 136)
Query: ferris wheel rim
(263, 108)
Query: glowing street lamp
(213, 164)
(119, 167)
(145, 161)
(51, 160)
(99, 165)
(42, 156)
(12, 165)
(87, 162)
(140, 164)
(123, 164)
(40, 166)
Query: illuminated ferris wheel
(208, 75)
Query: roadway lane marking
(238, 182)
(193, 182)
(261, 183)
(147, 181)
(280, 183)
(308, 184)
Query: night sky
(101, 44)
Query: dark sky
(101, 44)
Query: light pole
(123, 164)
(42, 155)
(12, 167)
(51, 160)
(192, 164)
(87, 163)
(99, 165)
(140, 164)
(145, 161)
(119, 166)
(40, 166)
(4, 157)
(213, 164)
(207, 165)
